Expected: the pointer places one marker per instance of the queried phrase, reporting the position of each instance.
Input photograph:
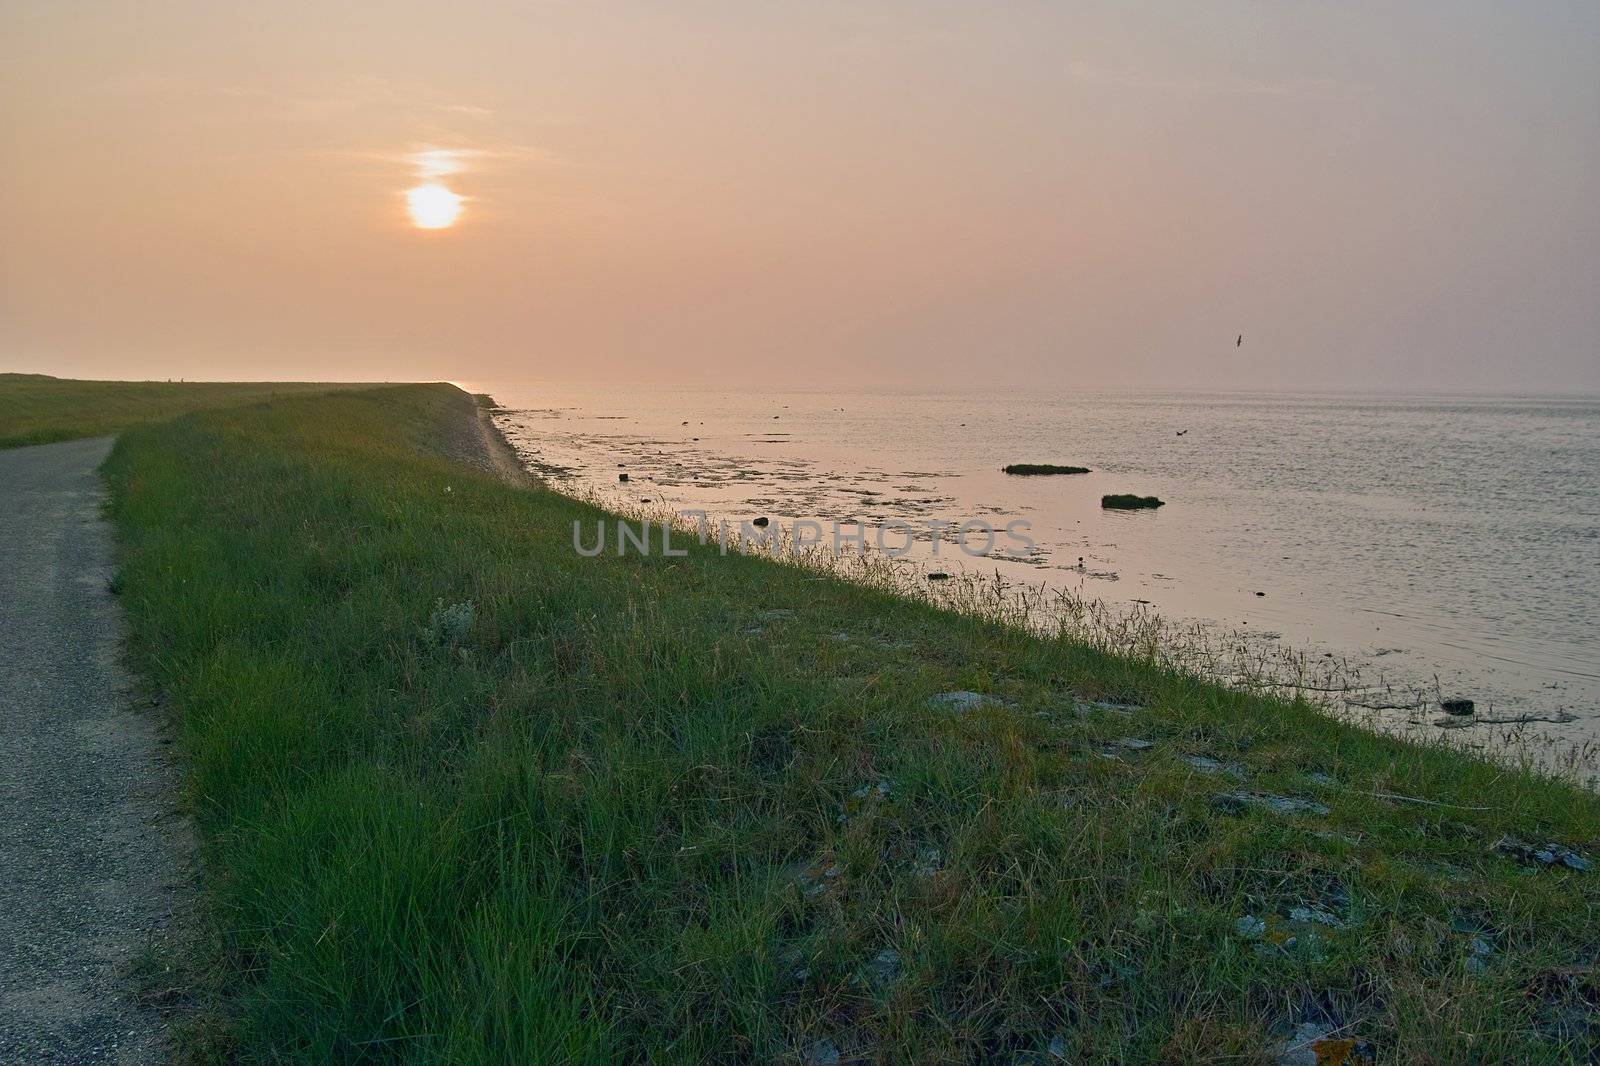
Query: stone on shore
(963, 700)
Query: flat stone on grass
(1205, 764)
(1540, 855)
(1239, 802)
(963, 700)
(822, 1053)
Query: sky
(1377, 195)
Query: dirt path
(92, 860)
(471, 437)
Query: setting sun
(433, 206)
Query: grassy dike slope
(39, 409)
(633, 810)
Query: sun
(432, 206)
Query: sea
(1409, 548)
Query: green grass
(616, 812)
(38, 409)
(1128, 502)
(1036, 469)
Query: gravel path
(93, 858)
(472, 438)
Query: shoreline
(1354, 683)
(472, 439)
(503, 458)
(641, 808)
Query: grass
(1128, 502)
(38, 409)
(1035, 469)
(467, 796)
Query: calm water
(1420, 537)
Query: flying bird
(1240, 341)
(1181, 432)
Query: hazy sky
(1376, 194)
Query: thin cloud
(432, 159)
(354, 95)
(1125, 78)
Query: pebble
(1237, 802)
(1480, 949)
(1319, 915)
(1055, 1051)
(883, 969)
(815, 879)
(880, 790)
(963, 700)
(1207, 765)
(822, 1053)
(1314, 1044)
(1113, 706)
(1543, 855)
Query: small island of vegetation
(1128, 502)
(1034, 469)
